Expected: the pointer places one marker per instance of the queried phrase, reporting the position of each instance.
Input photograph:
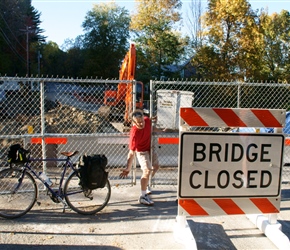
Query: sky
(62, 19)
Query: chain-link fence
(52, 115)
(168, 96)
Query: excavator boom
(127, 70)
(123, 94)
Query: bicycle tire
(16, 203)
(85, 201)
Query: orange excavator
(121, 99)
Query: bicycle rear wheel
(16, 199)
(85, 201)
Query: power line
(11, 46)
(11, 31)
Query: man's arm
(130, 159)
(157, 130)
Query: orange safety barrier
(168, 140)
(49, 140)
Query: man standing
(139, 143)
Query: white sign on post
(168, 105)
(214, 165)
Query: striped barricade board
(230, 173)
(227, 117)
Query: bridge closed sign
(230, 165)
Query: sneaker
(148, 190)
(145, 200)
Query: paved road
(125, 224)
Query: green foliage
(52, 60)
(235, 42)
(226, 30)
(19, 21)
(276, 36)
(106, 40)
(242, 44)
(159, 44)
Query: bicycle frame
(57, 193)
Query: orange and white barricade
(222, 173)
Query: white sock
(143, 193)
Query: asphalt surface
(126, 224)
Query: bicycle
(19, 190)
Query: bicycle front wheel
(17, 194)
(85, 201)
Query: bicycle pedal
(38, 203)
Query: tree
(243, 44)
(75, 58)
(232, 35)
(53, 60)
(105, 40)
(194, 23)
(158, 44)
(276, 36)
(19, 29)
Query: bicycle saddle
(69, 154)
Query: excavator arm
(123, 94)
(128, 67)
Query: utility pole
(27, 51)
(27, 31)
(39, 56)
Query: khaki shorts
(144, 160)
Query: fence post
(42, 117)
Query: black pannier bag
(17, 154)
(92, 171)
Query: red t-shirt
(140, 138)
